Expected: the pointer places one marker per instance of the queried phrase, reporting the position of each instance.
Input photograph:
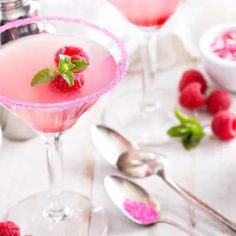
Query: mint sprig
(44, 76)
(67, 65)
(66, 68)
(189, 131)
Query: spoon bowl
(140, 163)
(120, 190)
(124, 192)
(110, 143)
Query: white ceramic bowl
(221, 71)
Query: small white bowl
(221, 71)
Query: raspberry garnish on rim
(70, 62)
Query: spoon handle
(176, 225)
(191, 198)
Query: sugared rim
(208, 37)
(120, 71)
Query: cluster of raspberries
(193, 88)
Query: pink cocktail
(52, 102)
(143, 115)
(38, 52)
(146, 13)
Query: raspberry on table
(190, 76)
(191, 96)
(59, 84)
(224, 125)
(218, 100)
(75, 53)
(9, 228)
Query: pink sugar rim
(120, 71)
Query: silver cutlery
(134, 162)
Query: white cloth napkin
(180, 34)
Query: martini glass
(51, 113)
(144, 115)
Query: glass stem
(148, 104)
(56, 208)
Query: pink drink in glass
(50, 112)
(146, 13)
(144, 115)
(37, 52)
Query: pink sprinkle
(142, 212)
(224, 45)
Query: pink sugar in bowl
(218, 54)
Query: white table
(208, 171)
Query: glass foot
(144, 126)
(81, 220)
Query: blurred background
(184, 28)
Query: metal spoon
(110, 143)
(120, 189)
(125, 156)
(139, 164)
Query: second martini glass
(144, 115)
(51, 110)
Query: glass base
(31, 216)
(143, 124)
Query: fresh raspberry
(75, 53)
(59, 84)
(190, 76)
(218, 100)
(224, 125)
(191, 96)
(8, 228)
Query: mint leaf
(69, 78)
(195, 127)
(79, 65)
(64, 64)
(191, 141)
(189, 131)
(183, 119)
(44, 76)
(178, 131)
(67, 67)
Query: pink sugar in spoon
(140, 164)
(135, 203)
